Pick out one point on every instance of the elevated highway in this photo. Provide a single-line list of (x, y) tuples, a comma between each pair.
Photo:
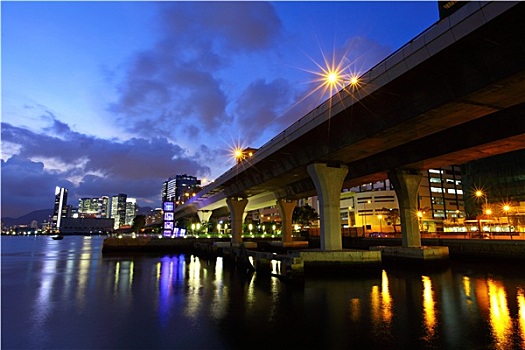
[(453, 94)]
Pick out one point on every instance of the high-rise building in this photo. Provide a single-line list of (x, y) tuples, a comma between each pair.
[(94, 207), (118, 209), (180, 188), (60, 208), (501, 180), (131, 210)]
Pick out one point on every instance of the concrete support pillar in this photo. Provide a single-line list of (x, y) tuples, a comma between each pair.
[(286, 210), (236, 206), (406, 184), (204, 216), (328, 183)]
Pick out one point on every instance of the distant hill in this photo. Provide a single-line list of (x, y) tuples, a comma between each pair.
[(43, 215), (145, 210), (39, 215)]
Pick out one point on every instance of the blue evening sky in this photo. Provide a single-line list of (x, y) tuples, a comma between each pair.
[(115, 97)]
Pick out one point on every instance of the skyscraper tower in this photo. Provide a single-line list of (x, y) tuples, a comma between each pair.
[(118, 209), (60, 208)]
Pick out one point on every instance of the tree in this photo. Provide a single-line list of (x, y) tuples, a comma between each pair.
[(391, 217), (304, 215), (138, 223)]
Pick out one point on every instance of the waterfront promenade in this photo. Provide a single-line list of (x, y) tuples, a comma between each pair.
[(500, 246)]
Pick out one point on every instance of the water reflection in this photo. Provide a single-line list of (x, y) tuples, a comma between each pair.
[(183, 301), (429, 311), (500, 319), (521, 315)]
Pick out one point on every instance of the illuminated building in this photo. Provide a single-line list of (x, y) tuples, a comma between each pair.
[(501, 178), (180, 188), (118, 209), (60, 208), (440, 201), (94, 207), (131, 210)]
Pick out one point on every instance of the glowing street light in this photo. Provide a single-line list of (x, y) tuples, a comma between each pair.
[(506, 209), (380, 217)]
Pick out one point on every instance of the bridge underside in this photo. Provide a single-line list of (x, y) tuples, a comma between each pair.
[(454, 94)]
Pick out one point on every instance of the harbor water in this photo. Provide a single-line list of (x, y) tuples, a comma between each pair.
[(67, 294)]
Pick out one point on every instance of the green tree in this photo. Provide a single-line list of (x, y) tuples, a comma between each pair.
[(304, 215), (138, 223)]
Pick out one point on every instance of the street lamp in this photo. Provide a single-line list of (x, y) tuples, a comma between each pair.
[(420, 216), (480, 194), (506, 209), (380, 217), (364, 211)]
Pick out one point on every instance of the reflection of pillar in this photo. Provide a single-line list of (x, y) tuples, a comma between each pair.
[(328, 183), (286, 210), (204, 216), (236, 206), (406, 184)]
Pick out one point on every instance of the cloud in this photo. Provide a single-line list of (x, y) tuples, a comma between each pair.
[(88, 167), (261, 106), (182, 83), (26, 186)]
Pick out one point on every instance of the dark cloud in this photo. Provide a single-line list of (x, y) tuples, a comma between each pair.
[(88, 167), (363, 53), (233, 26), (260, 107), (26, 186), (177, 84)]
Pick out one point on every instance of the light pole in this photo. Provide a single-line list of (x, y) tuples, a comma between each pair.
[(480, 194), (420, 216), (506, 209), (380, 217), (364, 211)]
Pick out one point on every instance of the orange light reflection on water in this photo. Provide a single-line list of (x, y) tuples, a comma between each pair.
[(429, 311), (500, 319)]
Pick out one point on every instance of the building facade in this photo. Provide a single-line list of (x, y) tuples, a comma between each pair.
[(131, 210), (98, 207), (60, 207), (118, 209), (180, 188)]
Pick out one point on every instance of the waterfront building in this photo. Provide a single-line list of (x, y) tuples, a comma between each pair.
[(131, 210), (180, 188), (374, 206), (97, 207), (501, 180), (60, 207), (118, 209)]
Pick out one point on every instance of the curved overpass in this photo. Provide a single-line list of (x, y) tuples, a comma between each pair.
[(453, 94)]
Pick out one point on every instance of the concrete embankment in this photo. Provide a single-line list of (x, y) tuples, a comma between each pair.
[(148, 244), (458, 248)]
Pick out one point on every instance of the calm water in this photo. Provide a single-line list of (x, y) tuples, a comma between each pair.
[(67, 295)]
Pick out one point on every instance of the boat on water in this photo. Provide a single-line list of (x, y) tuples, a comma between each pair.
[(57, 237)]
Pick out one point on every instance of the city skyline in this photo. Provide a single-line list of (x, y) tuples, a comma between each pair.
[(157, 89)]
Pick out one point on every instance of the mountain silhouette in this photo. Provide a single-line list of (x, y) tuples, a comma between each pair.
[(38, 215)]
